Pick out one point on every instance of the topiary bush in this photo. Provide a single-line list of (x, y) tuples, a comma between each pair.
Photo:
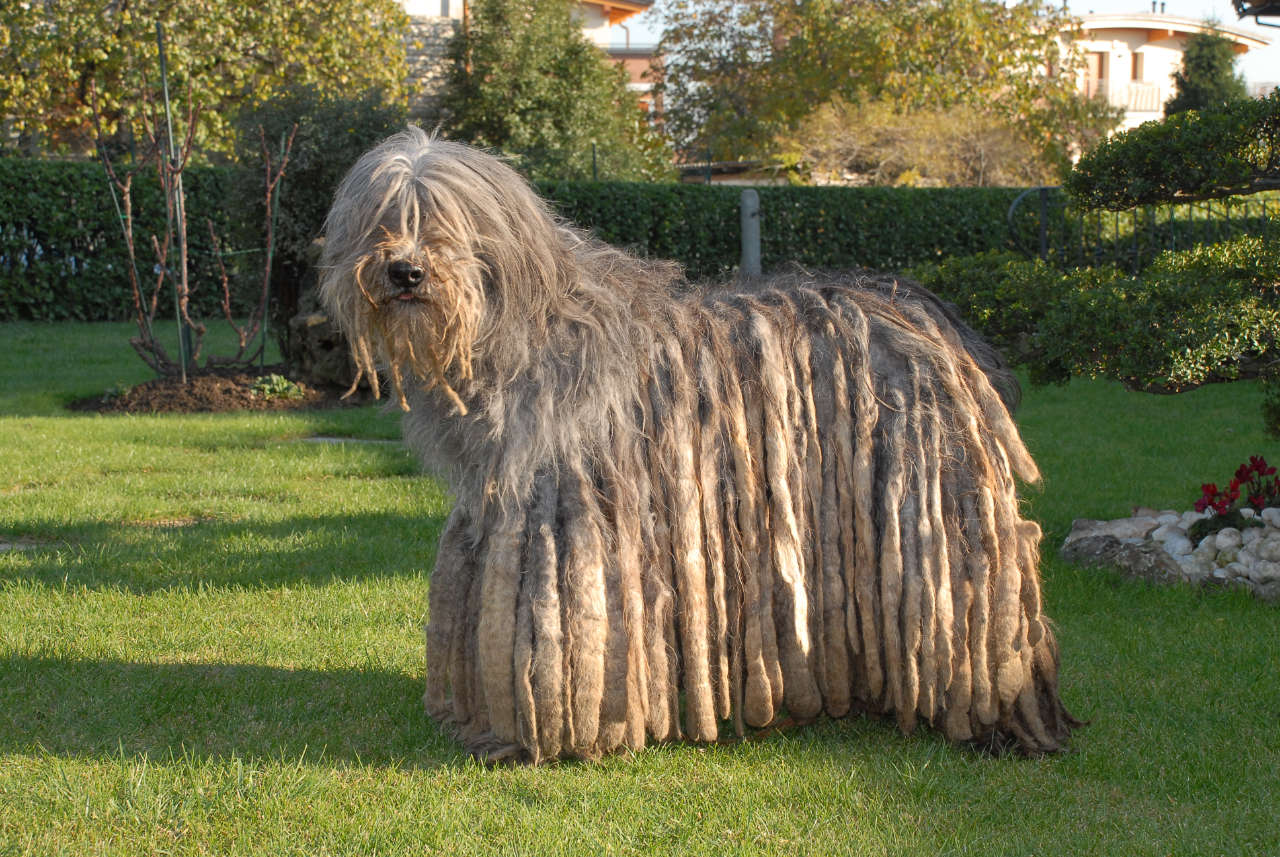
[(1192, 155), (1192, 317)]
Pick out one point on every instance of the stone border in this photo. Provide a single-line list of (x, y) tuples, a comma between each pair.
[(1153, 545)]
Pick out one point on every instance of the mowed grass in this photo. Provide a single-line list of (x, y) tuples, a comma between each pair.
[(215, 647)]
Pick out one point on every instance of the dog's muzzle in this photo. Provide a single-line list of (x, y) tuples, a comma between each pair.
[(405, 275)]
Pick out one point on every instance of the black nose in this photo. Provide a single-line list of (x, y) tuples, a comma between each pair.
[(405, 275)]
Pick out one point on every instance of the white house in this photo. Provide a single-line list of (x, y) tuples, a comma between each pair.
[(1130, 59)]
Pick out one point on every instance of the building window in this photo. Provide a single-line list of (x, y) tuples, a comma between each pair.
[(1136, 67), (1095, 73)]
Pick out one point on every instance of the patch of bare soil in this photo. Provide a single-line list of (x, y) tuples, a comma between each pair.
[(211, 391)]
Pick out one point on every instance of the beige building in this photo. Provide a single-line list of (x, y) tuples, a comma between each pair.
[(1130, 59)]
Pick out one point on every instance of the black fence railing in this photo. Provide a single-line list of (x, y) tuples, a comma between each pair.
[(1043, 223)]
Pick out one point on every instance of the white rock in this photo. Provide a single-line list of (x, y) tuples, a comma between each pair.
[(1177, 546), (1219, 574), (1207, 550), (1271, 515), (1265, 572), (1123, 529), (1189, 518), (1166, 531), (1168, 519), (1268, 548), (1247, 512), (1250, 535), (1228, 538), (1194, 571), (1235, 571), (1227, 556), (1246, 558)]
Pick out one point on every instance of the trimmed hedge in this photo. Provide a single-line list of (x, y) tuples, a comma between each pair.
[(62, 252), (819, 227), (1192, 317), (62, 255)]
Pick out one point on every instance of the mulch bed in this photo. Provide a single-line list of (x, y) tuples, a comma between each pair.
[(211, 391)]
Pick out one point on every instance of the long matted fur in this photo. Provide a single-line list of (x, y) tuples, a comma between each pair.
[(684, 515)]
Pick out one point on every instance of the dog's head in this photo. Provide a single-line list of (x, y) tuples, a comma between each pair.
[(428, 244)]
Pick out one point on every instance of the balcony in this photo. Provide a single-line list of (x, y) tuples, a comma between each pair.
[(1131, 95)]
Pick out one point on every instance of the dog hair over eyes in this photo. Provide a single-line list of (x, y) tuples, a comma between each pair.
[(688, 513)]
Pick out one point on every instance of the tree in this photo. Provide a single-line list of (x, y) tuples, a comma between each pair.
[(224, 52), (526, 81), (876, 143), (738, 73), (1207, 77)]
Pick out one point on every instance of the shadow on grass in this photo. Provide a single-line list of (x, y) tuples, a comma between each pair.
[(146, 558), (110, 709)]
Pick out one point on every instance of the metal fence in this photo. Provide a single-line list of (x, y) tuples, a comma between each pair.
[(1043, 223)]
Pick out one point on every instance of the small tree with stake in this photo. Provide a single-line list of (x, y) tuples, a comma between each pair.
[(160, 153)]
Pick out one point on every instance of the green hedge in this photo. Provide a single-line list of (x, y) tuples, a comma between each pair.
[(698, 225), (1192, 317), (62, 255), (62, 252)]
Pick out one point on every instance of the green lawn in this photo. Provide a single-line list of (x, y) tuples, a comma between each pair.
[(216, 647)]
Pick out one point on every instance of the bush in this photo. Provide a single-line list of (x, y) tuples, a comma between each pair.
[(1192, 317), (1271, 404), (332, 133), (821, 227), (1001, 293), (62, 252), (1219, 152)]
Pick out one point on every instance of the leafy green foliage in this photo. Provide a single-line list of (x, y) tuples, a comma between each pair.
[(1191, 318), (1271, 403), (526, 81), (737, 75), (1207, 78), (822, 227), (57, 219), (1221, 151), (62, 252), (275, 386), (222, 52), (1001, 293), (333, 131)]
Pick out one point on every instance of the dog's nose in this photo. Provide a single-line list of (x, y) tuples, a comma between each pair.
[(405, 275)]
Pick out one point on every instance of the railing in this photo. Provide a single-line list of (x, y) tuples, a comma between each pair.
[(1134, 96), (1043, 223)]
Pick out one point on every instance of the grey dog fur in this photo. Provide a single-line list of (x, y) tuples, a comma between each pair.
[(684, 513)]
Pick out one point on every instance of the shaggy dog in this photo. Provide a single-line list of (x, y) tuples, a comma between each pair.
[(686, 514)]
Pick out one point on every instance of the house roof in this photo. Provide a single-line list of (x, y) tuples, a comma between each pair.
[(1171, 25)]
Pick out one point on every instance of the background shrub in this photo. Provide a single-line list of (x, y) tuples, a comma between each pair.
[(62, 252), (332, 133), (62, 256), (822, 227), (1211, 313), (1231, 149)]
